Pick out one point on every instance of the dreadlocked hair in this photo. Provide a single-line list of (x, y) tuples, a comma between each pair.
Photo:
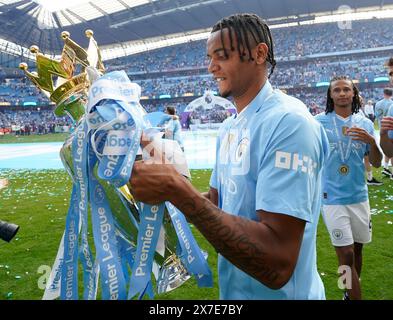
[(246, 26), (356, 101)]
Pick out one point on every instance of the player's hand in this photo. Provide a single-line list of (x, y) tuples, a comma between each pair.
[(386, 125), (153, 183), (360, 134)]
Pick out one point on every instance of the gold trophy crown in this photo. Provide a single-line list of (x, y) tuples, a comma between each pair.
[(70, 87)]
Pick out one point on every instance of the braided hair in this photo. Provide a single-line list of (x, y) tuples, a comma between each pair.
[(356, 101), (247, 27)]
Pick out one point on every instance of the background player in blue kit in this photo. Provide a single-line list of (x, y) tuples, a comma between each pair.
[(262, 210), (381, 110), (346, 210), (386, 128), (172, 126)]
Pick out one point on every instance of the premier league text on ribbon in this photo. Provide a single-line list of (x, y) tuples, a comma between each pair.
[(146, 242)]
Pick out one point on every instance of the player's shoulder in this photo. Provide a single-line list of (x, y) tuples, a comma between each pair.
[(288, 101), (288, 113), (321, 117), (364, 122), (282, 106)]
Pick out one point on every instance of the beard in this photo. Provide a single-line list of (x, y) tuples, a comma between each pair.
[(225, 94)]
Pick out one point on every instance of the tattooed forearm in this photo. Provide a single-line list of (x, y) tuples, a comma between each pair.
[(237, 239)]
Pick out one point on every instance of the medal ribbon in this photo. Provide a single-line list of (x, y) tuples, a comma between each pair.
[(344, 155)]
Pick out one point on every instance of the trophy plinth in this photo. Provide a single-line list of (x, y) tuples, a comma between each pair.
[(172, 275)]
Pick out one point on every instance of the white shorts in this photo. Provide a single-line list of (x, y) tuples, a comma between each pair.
[(347, 224)]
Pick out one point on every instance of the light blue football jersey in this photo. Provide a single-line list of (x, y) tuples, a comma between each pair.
[(343, 179), (269, 157), (173, 127), (382, 109)]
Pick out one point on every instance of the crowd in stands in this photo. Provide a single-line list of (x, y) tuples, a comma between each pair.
[(332, 37), (177, 86), (310, 73), (44, 121), (290, 43), (184, 56), (18, 91), (160, 105), (214, 115), (28, 122), (303, 74), (162, 73)]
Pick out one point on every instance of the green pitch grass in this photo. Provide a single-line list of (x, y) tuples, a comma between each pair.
[(38, 202), (54, 137)]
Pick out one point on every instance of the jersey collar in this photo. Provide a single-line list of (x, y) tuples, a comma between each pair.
[(256, 103), (342, 118)]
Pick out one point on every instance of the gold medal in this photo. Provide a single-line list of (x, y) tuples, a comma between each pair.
[(344, 169)]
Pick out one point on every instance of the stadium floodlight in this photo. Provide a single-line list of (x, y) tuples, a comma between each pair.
[(8, 230)]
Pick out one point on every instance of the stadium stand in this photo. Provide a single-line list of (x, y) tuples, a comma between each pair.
[(308, 56)]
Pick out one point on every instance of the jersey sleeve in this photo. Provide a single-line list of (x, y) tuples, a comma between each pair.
[(165, 118), (288, 180), (214, 178), (378, 111)]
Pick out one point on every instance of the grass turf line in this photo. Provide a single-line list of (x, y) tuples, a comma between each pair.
[(38, 202)]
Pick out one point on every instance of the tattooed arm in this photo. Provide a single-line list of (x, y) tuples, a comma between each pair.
[(267, 249)]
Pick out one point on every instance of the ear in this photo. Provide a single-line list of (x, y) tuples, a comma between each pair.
[(261, 53)]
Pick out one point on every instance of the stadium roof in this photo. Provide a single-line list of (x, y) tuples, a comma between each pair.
[(114, 22)]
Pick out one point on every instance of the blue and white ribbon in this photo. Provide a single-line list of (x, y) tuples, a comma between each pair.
[(112, 278), (190, 254), (69, 279), (149, 231), (81, 183), (116, 121), (53, 284)]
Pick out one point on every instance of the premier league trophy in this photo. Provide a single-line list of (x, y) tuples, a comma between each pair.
[(132, 240)]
